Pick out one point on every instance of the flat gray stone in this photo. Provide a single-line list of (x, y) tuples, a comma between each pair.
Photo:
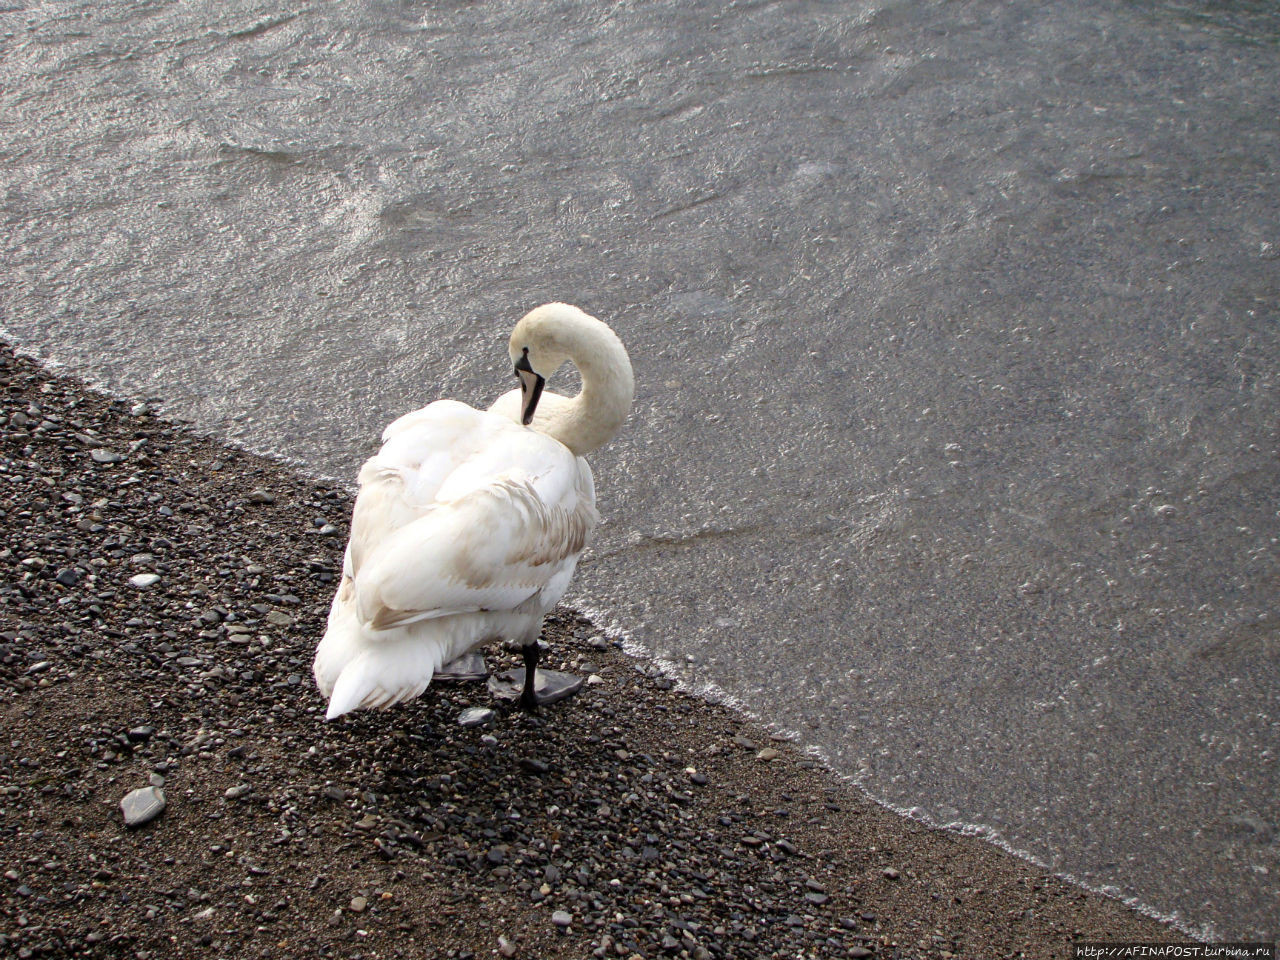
[(144, 580), (550, 685), (142, 806), (103, 455), (69, 577)]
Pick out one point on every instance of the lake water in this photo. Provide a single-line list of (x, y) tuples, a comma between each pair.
[(955, 328)]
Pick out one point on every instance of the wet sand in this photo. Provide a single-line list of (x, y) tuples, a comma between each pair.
[(632, 820)]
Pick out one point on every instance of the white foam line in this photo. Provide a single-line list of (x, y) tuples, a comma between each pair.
[(714, 693)]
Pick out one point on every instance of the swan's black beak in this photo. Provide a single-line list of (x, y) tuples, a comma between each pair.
[(531, 384)]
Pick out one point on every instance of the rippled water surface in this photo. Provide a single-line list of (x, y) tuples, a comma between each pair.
[(955, 328)]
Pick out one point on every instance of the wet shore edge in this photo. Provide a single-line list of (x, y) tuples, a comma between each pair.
[(161, 599)]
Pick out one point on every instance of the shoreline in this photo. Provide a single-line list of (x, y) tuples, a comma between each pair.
[(632, 820)]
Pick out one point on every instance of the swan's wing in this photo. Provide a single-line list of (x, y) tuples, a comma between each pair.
[(439, 417), (401, 481), (498, 547)]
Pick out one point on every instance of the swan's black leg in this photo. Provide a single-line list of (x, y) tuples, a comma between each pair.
[(529, 696)]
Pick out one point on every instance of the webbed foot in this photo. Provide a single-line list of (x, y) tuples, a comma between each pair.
[(533, 688)]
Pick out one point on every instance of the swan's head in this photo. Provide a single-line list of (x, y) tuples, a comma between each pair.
[(540, 344)]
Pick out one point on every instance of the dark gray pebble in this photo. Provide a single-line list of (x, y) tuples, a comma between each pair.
[(69, 577)]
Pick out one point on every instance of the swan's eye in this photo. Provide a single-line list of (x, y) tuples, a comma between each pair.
[(523, 365)]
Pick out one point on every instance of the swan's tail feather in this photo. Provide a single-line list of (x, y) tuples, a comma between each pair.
[(355, 673), (351, 690), (363, 684)]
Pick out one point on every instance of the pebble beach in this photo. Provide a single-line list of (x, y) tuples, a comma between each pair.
[(161, 600)]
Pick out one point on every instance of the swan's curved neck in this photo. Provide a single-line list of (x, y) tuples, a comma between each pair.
[(548, 336), (589, 420)]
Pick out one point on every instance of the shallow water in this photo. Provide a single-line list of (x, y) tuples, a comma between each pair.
[(954, 324)]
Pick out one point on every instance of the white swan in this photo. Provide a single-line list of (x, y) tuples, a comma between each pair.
[(469, 523)]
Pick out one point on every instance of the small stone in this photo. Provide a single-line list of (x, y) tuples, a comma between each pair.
[(476, 717), (817, 899), (534, 765), (860, 953), (103, 455), (261, 496), (367, 822), (506, 947), (335, 793), (279, 618), (144, 580), (141, 734), (69, 577), (358, 904), (562, 918), (236, 792), (142, 805), (889, 873), (39, 667), (768, 753)]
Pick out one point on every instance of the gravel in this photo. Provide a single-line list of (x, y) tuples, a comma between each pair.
[(630, 820)]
